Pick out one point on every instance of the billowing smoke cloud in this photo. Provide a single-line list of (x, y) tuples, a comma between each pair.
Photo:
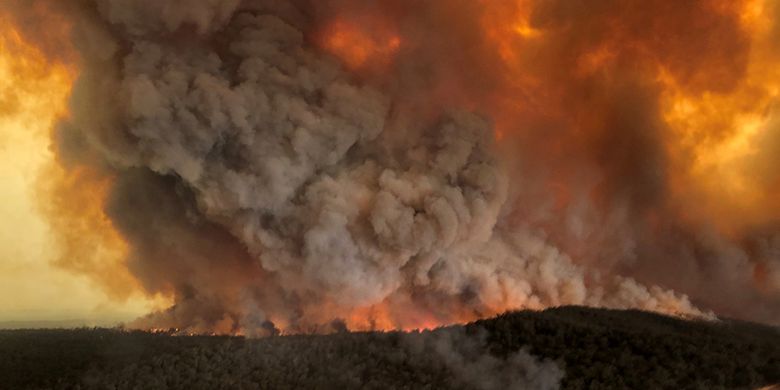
[(452, 160)]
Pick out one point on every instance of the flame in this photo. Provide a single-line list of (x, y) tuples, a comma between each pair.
[(401, 313)]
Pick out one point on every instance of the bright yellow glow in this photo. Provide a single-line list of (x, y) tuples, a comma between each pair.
[(524, 29), (33, 96), (715, 139)]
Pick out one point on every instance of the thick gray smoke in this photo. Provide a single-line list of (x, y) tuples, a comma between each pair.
[(260, 183), (269, 186)]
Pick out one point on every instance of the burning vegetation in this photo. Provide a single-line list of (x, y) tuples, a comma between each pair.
[(572, 347)]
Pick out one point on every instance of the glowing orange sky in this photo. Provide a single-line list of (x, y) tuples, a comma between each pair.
[(33, 95), (714, 150)]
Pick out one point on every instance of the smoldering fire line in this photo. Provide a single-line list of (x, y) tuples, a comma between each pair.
[(409, 164)]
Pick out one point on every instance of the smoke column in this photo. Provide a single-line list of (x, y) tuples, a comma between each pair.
[(399, 164)]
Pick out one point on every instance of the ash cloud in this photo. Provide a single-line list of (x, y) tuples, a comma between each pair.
[(257, 180)]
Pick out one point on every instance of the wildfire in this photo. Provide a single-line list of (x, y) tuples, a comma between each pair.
[(655, 115), (359, 47), (714, 119)]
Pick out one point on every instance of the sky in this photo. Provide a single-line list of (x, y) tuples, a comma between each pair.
[(31, 287)]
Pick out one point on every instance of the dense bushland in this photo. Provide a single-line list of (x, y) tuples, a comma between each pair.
[(572, 347)]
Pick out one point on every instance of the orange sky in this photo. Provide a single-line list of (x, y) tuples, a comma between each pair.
[(716, 161), (32, 94)]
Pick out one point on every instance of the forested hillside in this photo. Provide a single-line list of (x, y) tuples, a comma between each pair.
[(568, 347)]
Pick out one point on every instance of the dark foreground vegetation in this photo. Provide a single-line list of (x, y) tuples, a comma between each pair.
[(571, 347)]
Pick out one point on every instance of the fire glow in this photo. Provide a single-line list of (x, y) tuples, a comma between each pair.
[(406, 165), (357, 47), (70, 199)]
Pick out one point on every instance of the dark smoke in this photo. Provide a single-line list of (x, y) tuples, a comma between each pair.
[(258, 180)]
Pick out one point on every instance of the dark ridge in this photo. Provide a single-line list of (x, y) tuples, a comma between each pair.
[(596, 348), (603, 348)]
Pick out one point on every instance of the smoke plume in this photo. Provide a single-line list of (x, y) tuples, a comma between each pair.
[(398, 164)]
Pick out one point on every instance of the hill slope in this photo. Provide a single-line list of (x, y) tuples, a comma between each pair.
[(571, 347)]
